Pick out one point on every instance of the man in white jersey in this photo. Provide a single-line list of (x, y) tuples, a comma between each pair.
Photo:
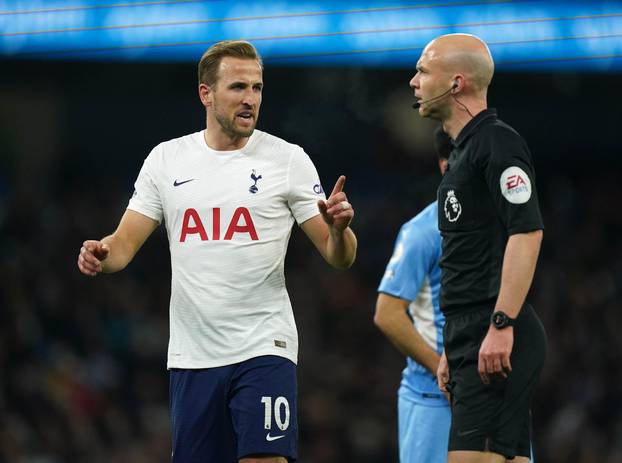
[(229, 196), (408, 313)]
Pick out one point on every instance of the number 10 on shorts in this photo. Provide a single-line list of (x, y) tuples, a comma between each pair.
[(281, 412)]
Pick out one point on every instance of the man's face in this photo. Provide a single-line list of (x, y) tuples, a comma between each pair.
[(430, 82), (236, 96)]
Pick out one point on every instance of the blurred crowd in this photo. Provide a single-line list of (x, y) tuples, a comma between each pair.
[(83, 360)]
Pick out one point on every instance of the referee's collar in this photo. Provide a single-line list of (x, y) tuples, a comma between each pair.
[(467, 130)]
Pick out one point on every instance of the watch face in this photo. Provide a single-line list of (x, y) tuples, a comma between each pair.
[(499, 319)]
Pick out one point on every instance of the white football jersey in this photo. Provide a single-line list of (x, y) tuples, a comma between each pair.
[(228, 215)]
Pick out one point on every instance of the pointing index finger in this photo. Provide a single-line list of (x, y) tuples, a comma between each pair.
[(339, 185)]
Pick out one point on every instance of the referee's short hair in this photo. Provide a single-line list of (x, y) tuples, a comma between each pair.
[(210, 61), (442, 144)]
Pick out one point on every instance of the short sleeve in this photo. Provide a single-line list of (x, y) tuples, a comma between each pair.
[(509, 174), (305, 187), (413, 257), (146, 198)]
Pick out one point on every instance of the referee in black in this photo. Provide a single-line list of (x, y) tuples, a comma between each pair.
[(491, 226)]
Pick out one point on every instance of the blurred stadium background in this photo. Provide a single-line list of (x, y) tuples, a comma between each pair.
[(88, 87)]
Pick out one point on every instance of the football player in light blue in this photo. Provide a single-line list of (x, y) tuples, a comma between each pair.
[(408, 313)]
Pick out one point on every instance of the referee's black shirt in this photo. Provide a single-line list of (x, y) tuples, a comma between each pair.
[(487, 194)]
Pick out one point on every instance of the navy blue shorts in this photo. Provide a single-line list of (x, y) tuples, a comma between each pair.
[(226, 413)]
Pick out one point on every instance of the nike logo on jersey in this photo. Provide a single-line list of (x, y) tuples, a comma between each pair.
[(270, 438), (176, 183)]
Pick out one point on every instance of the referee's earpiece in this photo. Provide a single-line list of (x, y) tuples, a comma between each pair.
[(418, 104)]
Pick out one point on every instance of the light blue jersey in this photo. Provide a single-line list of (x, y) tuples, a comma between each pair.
[(413, 274)]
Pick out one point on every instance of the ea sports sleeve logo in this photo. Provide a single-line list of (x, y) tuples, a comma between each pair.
[(452, 207), (515, 185)]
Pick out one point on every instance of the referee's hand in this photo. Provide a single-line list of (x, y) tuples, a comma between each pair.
[(494, 354)]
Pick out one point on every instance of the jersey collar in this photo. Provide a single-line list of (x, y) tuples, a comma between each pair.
[(467, 130)]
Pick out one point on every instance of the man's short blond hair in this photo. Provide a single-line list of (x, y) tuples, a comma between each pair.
[(210, 61)]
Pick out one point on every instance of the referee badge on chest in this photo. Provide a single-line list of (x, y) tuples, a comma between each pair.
[(452, 206)]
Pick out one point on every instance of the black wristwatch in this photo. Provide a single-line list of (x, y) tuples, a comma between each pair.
[(501, 320)]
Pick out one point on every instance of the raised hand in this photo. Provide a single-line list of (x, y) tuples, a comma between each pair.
[(336, 211), (92, 253)]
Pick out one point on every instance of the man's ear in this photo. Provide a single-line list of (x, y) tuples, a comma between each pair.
[(205, 95), (457, 84)]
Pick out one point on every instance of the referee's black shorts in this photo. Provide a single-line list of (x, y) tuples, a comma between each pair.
[(494, 417)]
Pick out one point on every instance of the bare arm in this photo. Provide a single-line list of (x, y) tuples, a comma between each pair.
[(115, 251), (519, 264), (338, 248), (393, 321), (330, 231)]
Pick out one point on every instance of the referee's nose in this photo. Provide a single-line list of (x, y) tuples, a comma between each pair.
[(414, 82)]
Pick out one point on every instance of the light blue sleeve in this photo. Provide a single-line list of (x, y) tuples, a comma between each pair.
[(413, 257)]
